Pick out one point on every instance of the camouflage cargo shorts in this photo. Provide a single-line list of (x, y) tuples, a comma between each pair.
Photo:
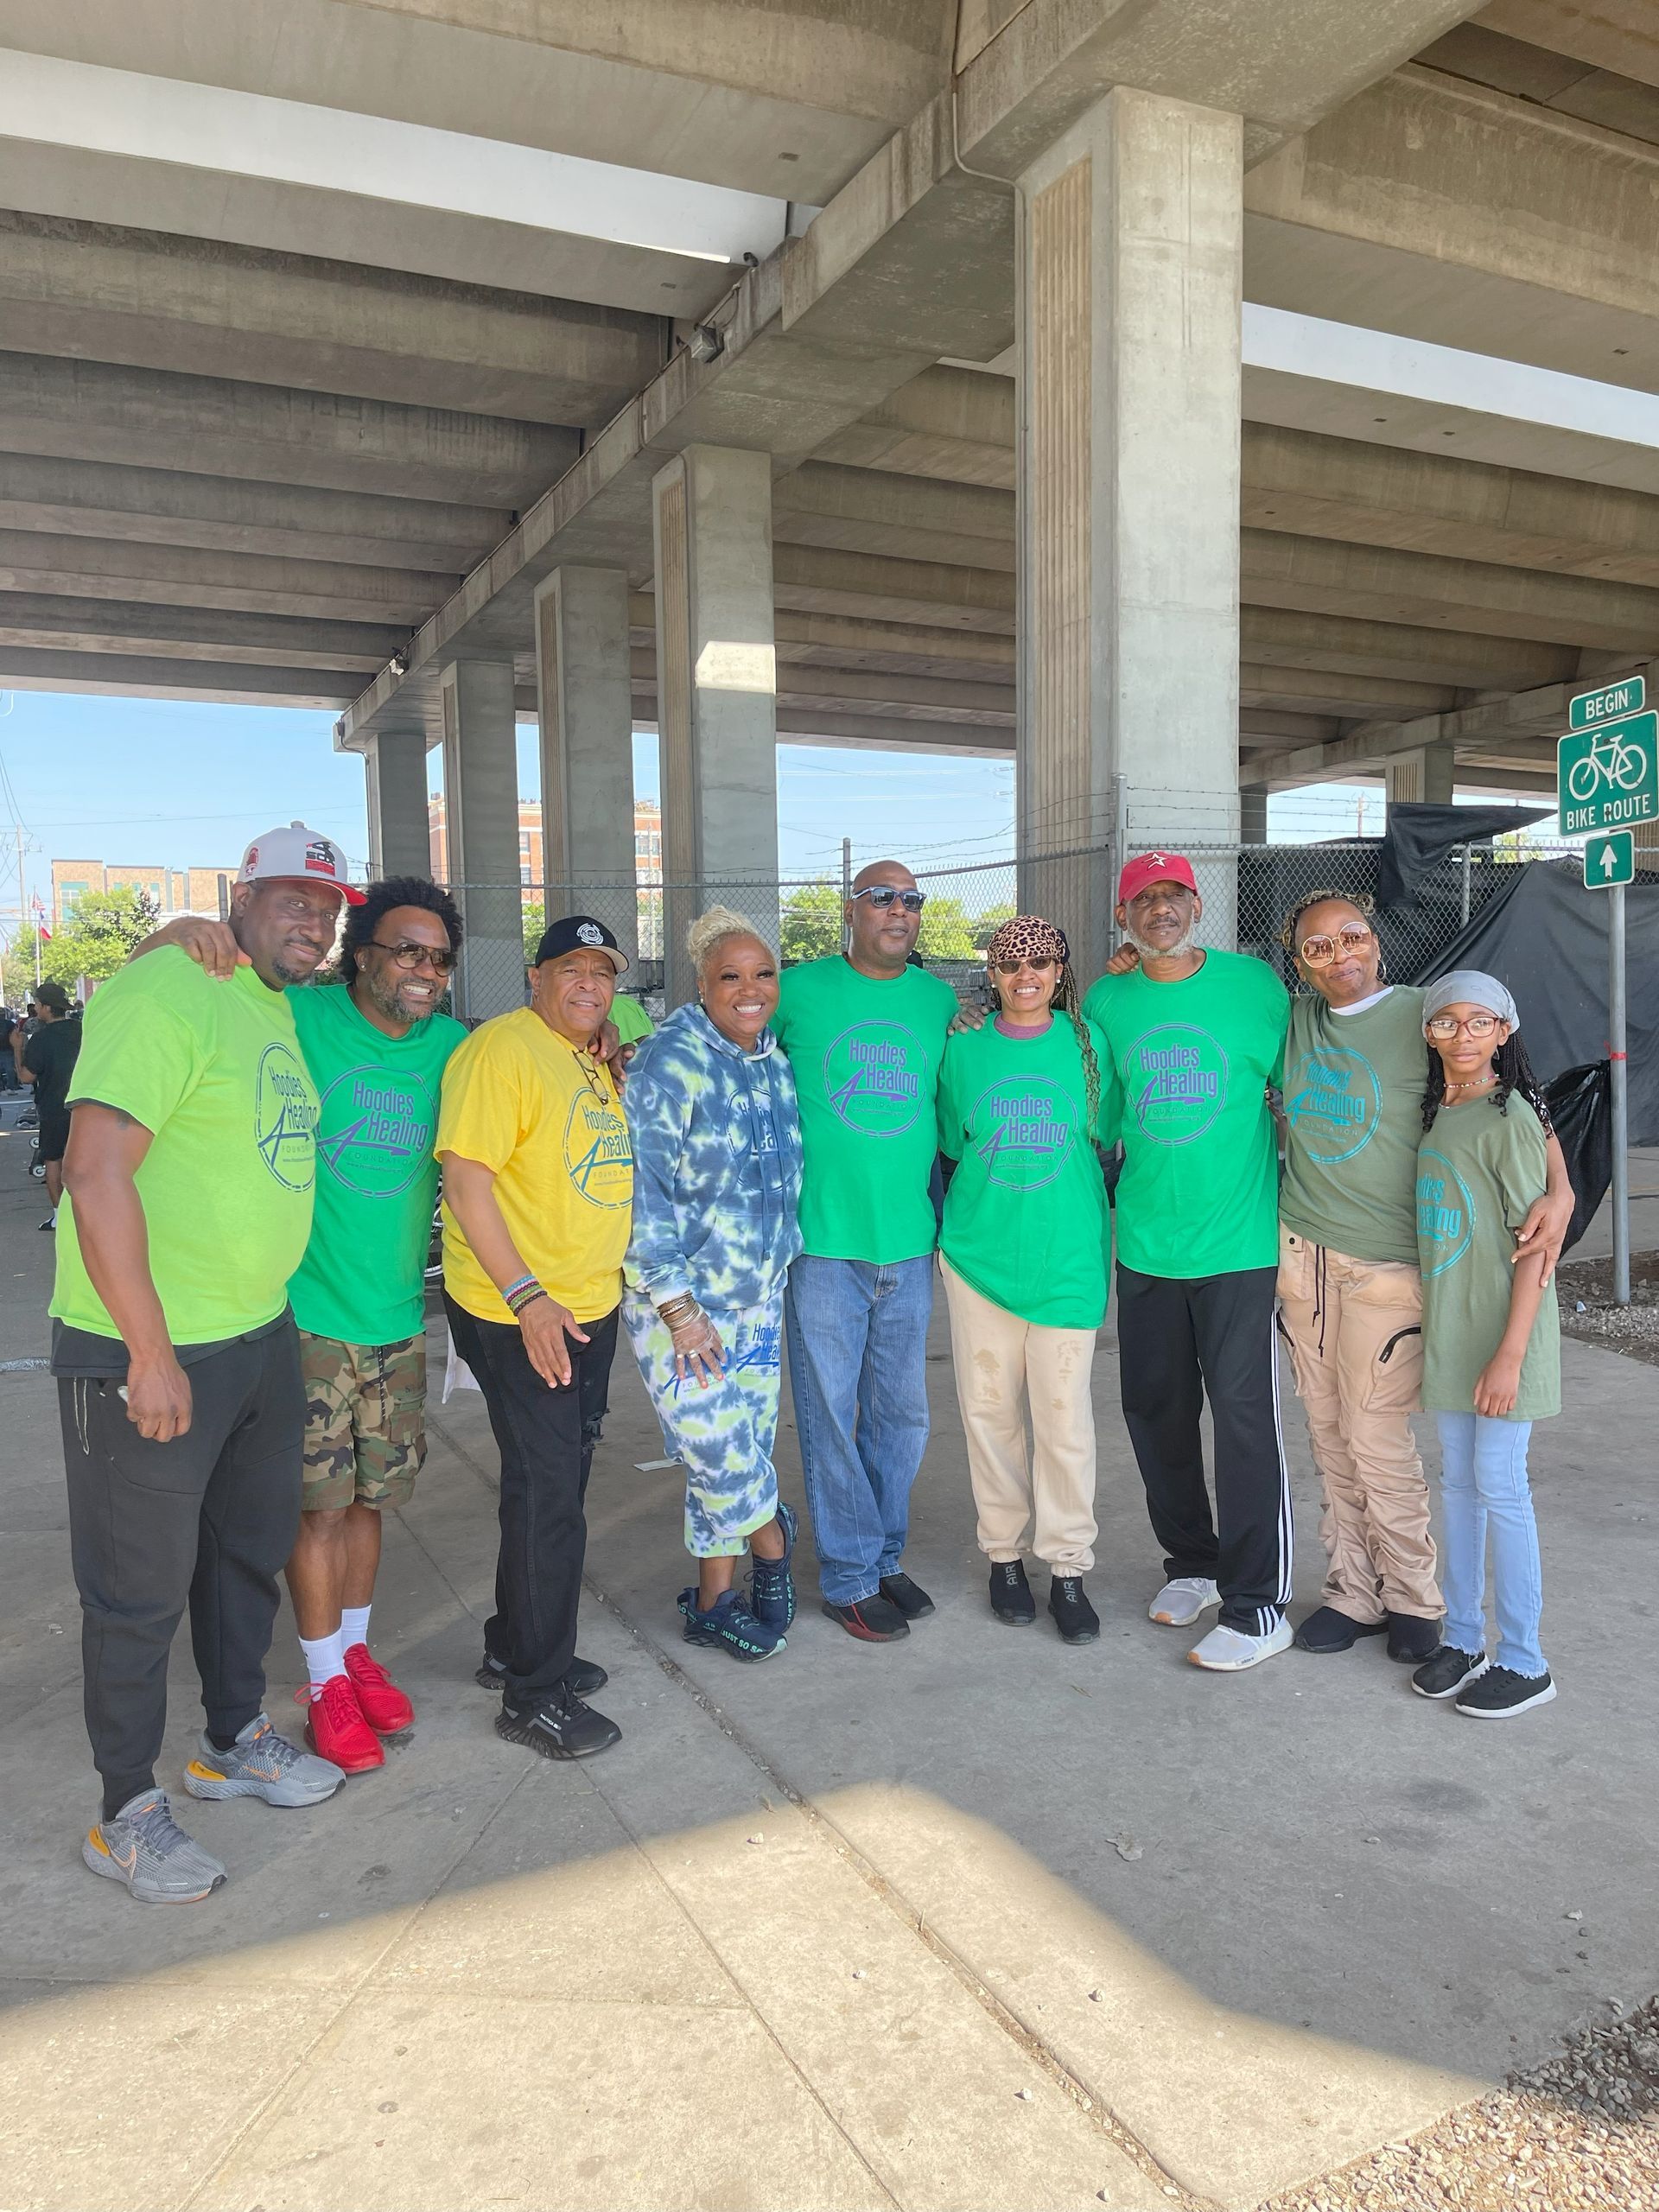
[(364, 1421)]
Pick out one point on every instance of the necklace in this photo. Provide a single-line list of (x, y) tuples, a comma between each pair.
[(1480, 1083)]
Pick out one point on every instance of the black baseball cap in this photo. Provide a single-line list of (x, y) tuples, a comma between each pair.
[(579, 933)]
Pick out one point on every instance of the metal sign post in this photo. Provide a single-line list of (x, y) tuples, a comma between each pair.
[(1607, 768)]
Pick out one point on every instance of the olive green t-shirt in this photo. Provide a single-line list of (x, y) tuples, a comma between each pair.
[(1478, 1172), (1353, 1118), (865, 1053), (1192, 1061), (1025, 1217), (213, 1071)]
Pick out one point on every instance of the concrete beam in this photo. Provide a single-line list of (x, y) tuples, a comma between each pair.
[(864, 511), (230, 683), (1617, 36), (210, 426), (1315, 691), (833, 690), (96, 568), (1286, 638), (77, 625), (815, 580), (161, 506), (137, 297), (1443, 210), (954, 424)]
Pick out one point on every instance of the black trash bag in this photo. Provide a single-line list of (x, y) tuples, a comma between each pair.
[(1581, 1102)]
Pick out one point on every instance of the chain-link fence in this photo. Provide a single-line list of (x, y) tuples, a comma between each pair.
[(1248, 890)]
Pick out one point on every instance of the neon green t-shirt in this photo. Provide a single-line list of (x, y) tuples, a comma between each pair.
[(1025, 1217), (363, 1278), (631, 1020), (1191, 1062), (213, 1071), (865, 1053)]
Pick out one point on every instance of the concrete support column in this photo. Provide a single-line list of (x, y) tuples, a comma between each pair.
[(400, 840), (480, 795), (1128, 483), (1253, 814), (585, 698), (1429, 774), (716, 693)]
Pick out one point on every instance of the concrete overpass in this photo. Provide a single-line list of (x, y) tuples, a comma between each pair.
[(870, 370)]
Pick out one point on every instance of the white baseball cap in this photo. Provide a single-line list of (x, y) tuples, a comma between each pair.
[(297, 854)]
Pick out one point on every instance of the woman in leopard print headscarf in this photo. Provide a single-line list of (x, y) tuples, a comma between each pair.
[(1023, 1254)]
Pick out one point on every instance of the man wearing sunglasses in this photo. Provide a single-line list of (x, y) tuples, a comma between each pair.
[(375, 1044), (865, 1033)]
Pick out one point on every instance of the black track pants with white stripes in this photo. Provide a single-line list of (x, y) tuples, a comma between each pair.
[(1179, 1341)]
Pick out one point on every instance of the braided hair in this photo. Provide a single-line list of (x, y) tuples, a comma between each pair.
[(1514, 1073)]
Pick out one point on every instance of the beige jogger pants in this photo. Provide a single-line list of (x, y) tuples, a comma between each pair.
[(1040, 1499), (1356, 1344)]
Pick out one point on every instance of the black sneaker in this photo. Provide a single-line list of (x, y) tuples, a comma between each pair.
[(1011, 1598), (1074, 1617), (728, 1625), (1501, 1694), (1445, 1673), (1411, 1639), (771, 1583), (582, 1676), (910, 1598), (558, 1726), (874, 1620), (1329, 1630)]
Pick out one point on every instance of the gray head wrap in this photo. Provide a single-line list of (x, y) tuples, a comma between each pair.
[(1470, 986)]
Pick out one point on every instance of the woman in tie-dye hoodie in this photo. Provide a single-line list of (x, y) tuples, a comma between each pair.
[(710, 1103)]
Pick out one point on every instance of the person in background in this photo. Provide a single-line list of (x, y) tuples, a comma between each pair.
[(865, 1033), (537, 1185), (1350, 1290), (188, 1179), (710, 1105), (376, 1044), (1491, 1340), (48, 1064), (11, 1041), (1196, 1039), (1023, 1256)]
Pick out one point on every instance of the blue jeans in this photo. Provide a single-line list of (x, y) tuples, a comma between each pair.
[(1483, 1488), (858, 1370)]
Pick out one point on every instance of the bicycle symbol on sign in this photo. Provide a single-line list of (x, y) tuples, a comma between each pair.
[(1609, 761)]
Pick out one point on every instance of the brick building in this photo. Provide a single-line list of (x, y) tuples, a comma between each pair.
[(176, 890)]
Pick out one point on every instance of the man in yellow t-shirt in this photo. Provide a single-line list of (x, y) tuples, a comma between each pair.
[(538, 1189)]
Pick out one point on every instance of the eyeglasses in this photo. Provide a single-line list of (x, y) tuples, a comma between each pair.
[(1320, 951), (1038, 962), (881, 896), (411, 957), (1444, 1027)]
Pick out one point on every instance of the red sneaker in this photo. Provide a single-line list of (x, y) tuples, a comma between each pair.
[(336, 1729), (380, 1702)]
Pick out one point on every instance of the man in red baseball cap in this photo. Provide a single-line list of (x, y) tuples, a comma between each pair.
[(1197, 1037)]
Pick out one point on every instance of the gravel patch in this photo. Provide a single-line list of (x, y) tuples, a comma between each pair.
[(1579, 2131), (1585, 1289)]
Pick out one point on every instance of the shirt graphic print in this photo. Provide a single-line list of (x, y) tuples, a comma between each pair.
[(878, 1077), (1332, 1098)]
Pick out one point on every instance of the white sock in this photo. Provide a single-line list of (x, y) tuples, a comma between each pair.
[(354, 1624), (325, 1656)]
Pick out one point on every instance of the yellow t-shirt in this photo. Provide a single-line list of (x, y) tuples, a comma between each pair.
[(522, 1100)]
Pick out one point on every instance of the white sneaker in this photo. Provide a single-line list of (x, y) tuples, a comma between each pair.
[(1229, 1650), (1179, 1603)]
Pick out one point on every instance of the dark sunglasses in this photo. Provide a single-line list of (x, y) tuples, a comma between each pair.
[(1038, 962), (411, 957), (881, 896)]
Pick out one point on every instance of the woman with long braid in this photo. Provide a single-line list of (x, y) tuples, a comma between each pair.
[(1023, 1254)]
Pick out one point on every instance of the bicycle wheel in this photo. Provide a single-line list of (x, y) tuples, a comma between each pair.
[(1629, 767), (1583, 777)]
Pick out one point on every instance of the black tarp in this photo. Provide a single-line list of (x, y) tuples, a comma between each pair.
[(1420, 832), (1546, 936)]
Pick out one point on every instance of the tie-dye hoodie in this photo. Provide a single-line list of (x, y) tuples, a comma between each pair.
[(717, 1165)]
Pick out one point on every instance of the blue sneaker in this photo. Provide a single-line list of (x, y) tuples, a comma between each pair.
[(772, 1586), (729, 1625)]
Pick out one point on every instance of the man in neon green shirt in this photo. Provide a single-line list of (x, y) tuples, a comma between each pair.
[(189, 1182)]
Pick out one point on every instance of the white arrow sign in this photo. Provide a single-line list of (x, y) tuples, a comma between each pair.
[(1606, 860)]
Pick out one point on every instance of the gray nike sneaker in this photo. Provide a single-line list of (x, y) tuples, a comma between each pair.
[(144, 1847), (262, 1764)]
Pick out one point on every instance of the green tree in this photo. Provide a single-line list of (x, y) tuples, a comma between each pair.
[(946, 933), (810, 922), (97, 940), (534, 914), (990, 921)]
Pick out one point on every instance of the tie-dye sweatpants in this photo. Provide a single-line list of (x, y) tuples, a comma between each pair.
[(723, 1435)]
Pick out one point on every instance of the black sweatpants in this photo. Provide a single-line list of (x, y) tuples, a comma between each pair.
[(207, 1520), (545, 1434), (1179, 1341)]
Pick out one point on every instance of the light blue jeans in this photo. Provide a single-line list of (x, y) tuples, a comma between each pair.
[(1484, 1490), (858, 1371)]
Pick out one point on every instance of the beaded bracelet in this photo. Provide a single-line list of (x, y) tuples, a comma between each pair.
[(522, 1283), (527, 1296)]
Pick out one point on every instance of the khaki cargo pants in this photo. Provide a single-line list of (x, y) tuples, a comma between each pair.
[(1355, 1330)]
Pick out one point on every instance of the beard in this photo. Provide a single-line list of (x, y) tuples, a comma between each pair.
[(390, 999), (1185, 942)]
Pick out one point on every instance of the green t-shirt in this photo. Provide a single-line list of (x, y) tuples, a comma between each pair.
[(1353, 1118), (1025, 1217), (363, 1278), (213, 1071), (1478, 1172), (631, 1020), (1191, 1062), (866, 1053)]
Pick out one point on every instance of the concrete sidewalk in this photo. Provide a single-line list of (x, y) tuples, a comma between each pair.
[(972, 1920)]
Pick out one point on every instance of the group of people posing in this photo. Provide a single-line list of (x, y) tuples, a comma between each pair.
[(239, 1324)]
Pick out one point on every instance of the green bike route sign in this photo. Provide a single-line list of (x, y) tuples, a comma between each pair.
[(1608, 775), (1610, 860), (1610, 704)]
